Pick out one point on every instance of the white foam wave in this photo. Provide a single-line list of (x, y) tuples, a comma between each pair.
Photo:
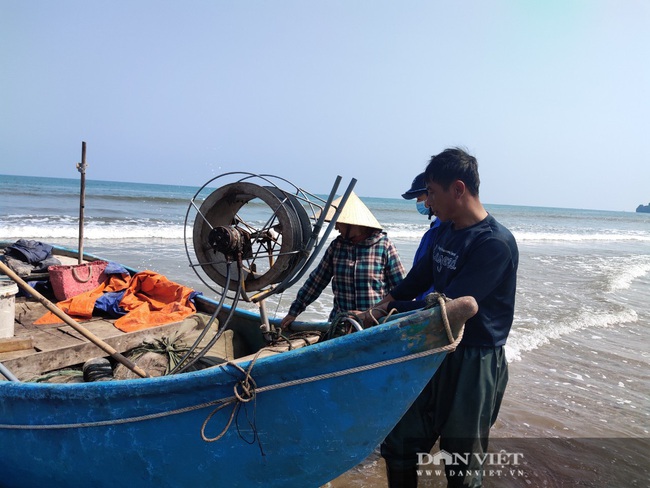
[(582, 237), (405, 232), (623, 276), (91, 232), (523, 339), (34, 227), (415, 232), (167, 231)]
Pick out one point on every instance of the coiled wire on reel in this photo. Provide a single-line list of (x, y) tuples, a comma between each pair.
[(264, 224), (251, 235)]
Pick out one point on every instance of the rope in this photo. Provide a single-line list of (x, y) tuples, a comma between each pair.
[(385, 318), (441, 299), (248, 393)]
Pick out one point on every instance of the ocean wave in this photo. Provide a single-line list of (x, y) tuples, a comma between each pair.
[(101, 199), (33, 226), (581, 237), (405, 231), (524, 338), (411, 231), (148, 199), (91, 232), (623, 272)]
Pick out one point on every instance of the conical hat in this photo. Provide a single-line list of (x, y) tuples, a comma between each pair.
[(355, 212)]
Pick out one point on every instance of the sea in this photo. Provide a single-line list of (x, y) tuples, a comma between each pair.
[(577, 406)]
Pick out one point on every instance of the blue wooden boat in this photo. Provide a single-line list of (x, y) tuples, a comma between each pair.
[(311, 414), (266, 416)]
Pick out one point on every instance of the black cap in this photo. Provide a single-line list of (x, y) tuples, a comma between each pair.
[(418, 187)]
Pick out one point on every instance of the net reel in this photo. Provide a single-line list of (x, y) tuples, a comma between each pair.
[(254, 233), (251, 237)]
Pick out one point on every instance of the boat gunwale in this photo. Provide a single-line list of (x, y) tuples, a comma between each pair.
[(206, 377)]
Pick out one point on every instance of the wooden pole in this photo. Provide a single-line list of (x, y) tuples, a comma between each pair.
[(72, 323), (82, 200)]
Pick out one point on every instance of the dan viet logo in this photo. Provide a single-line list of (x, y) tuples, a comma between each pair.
[(493, 463)]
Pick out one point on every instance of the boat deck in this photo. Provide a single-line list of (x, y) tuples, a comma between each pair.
[(38, 349)]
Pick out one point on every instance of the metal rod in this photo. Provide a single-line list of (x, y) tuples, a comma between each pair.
[(265, 326), (82, 200), (7, 374)]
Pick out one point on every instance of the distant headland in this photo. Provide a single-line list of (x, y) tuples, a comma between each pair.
[(643, 208)]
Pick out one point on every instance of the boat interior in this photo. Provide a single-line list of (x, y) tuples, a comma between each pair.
[(54, 352)]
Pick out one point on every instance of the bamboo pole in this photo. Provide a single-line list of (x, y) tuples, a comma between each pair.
[(82, 200), (72, 323)]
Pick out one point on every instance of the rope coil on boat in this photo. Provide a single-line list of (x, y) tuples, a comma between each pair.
[(435, 298), (247, 386), (248, 389)]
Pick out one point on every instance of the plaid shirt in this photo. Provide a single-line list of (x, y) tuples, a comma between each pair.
[(361, 274)]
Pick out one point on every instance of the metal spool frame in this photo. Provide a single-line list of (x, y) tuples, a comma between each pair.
[(270, 254), (282, 248), (243, 257)]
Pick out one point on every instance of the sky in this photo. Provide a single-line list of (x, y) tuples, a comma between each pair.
[(552, 97)]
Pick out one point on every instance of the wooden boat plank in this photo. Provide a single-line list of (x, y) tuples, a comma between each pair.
[(53, 339), (101, 328), (28, 312), (11, 344)]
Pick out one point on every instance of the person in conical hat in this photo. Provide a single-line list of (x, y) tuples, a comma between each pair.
[(355, 212), (362, 264), (356, 222)]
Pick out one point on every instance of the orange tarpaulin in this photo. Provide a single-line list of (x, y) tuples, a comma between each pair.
[(150, 299)]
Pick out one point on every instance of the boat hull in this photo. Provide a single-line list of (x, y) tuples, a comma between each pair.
[(316, 412)]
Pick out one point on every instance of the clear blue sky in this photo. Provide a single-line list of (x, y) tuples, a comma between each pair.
[(552, 96)]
